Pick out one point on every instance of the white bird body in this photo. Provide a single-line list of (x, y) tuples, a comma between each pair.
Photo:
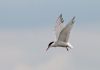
[(62, 34), (59, 44)]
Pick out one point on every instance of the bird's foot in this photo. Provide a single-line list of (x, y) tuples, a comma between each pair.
[(67, 48)]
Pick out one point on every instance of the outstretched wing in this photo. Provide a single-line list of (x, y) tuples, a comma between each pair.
[(64, 34), (59, 25)]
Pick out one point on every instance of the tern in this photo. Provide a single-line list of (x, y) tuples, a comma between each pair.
[(62, 33)]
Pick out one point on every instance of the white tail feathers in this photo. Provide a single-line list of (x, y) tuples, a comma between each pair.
[(70, 46)]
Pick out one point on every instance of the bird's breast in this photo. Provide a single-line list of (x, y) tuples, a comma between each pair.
[(61, 44)]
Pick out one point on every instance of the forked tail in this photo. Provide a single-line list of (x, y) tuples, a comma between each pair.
[(69, 45)]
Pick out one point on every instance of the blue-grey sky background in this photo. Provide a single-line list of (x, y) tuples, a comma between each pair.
[(27, 26), (36, 13)]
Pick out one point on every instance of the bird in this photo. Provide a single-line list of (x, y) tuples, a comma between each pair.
[(62, 33)]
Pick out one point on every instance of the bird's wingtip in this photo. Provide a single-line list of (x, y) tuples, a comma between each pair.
[(73, 18)]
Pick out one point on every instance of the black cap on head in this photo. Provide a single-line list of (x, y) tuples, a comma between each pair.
[(49, 45)]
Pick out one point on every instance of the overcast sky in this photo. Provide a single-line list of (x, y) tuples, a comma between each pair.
[(27, 26)]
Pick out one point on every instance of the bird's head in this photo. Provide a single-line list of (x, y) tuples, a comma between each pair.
[(50, 44)]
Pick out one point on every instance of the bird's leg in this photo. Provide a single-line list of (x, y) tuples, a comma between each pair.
[(67, 48)]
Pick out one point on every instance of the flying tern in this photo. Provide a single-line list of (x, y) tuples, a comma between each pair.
[(62, 33)]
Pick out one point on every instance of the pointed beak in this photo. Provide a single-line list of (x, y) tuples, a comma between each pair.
[(48, 48)]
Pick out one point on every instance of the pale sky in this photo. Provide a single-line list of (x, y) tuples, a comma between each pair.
[(27, 26)]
